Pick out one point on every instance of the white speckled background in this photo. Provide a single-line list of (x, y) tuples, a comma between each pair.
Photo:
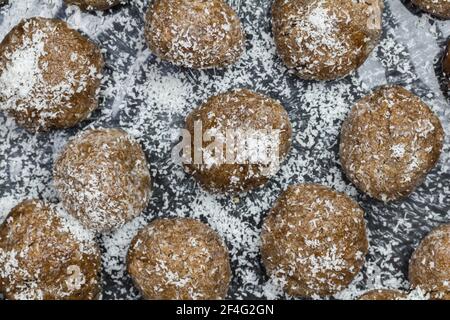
[(150, 99)]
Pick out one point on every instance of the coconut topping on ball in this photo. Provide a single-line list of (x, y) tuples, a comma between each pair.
[(46, 254), (103, 179), (49, 74), (326, 39), (389, 143), (314, 240), (194, 33)]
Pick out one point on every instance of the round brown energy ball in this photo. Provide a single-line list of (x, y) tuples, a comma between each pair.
[(438, 8), (429, 268), (314, 240), (384, 294), (94, 4), (102, 178), (45, 254), (179, 259), (49, 75), (194, 33), (256, 122), (326, 39), (389, 143)]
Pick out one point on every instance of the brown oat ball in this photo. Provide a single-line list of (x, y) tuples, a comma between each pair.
[(194, 33), (49, 75), (94, 4), (326, 39), (429, 268), (383, 294), (438, 8), (241, 111), (314, 240), (46, 254), (389, 143), (179, 259), (103, 179)]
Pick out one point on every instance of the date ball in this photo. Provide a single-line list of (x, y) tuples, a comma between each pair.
[(429, 268), (102, 178), (389, 143), (438, 8), (46, 255), (94, 4), (49, 75), (384, 294), (194, 33), (179, 259), (252, 136), (314, 240), (326, 39)]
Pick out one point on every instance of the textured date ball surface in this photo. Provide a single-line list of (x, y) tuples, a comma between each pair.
[(314, 240), (175, 259), (242, 110), (194, 33), (49, 75), (94, 4), (383, 294), (326, 39), (46, 254), (439, 8), (102, 178), (429, 268), (389, 143)]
